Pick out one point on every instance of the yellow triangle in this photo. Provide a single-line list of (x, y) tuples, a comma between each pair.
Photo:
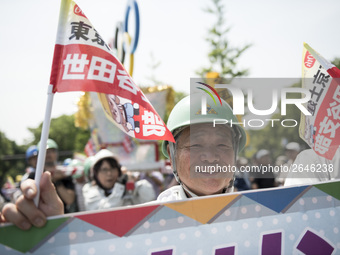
[(202, 210)]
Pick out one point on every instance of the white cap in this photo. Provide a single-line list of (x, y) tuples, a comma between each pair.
[(262, 153), (293, 146), (103, 153)]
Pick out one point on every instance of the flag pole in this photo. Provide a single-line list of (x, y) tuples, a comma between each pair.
[(43, 142)]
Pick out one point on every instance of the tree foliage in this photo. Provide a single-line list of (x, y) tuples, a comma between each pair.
[(63, 131), (223, 57), (336, 62), (69, 138), (11, 158), (274, 136)]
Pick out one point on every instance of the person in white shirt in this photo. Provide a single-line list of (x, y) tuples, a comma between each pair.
[(106, 191), (310, 167)]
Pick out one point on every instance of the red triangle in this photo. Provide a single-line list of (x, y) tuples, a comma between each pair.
[(118, 222)]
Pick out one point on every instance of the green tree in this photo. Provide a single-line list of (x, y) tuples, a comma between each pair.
[(222, 56), (273, 138), (68, 137), (336, 62), (11, 158)]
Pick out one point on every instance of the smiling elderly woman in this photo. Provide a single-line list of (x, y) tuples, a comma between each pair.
[(200, 144)]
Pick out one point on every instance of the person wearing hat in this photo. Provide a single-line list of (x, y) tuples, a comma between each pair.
[(108, 189), (64, 184), (309, 168), (292, 149), (31, 160), (204, 155), (76, 168), (31, 157), (51, 157), (87, 168), (199, 146)]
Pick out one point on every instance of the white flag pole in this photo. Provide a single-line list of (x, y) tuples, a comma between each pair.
[(43, 142)]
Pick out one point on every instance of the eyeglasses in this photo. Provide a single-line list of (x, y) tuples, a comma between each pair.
[(107, 170)]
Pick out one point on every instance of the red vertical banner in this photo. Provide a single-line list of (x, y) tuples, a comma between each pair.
[(84, 62)]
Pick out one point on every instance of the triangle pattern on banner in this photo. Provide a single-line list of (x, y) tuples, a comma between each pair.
[(243, 208), (202, 210), (25, 240), (165, 219), (276, 199), (332, 189), (118, 222), (313, 199), (75, 232)]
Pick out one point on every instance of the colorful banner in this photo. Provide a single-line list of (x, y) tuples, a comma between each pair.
[(290, 220), (84, 62), (161, 97), (106, 132), (141, 157), (321, 130), (133, 154)]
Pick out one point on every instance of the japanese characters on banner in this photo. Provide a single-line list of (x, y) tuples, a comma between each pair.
[(289, 220), (321, 130), (83, 62)]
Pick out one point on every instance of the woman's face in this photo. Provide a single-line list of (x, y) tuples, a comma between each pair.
[(107, 175), (200, 146)]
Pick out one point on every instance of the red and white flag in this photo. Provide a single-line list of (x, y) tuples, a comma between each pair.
[(84, 62), (321, 130)]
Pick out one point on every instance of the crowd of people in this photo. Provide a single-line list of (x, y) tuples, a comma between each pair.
[(100, 182), (265, 171), (97, 182), (104, 183)]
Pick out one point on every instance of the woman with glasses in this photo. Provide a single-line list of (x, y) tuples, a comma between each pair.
[(108, 187)]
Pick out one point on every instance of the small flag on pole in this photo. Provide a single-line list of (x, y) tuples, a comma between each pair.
[(321, 130), (84, 62)]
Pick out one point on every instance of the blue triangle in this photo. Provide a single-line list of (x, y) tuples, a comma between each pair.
[(251, 212), (276, 199), (77, 231)]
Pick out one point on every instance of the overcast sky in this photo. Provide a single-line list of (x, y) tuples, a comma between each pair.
[(172, 30)]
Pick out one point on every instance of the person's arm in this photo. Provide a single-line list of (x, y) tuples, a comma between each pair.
[(254, 186), (24, 213), (67, 195), (143, 192), (64, 186)]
